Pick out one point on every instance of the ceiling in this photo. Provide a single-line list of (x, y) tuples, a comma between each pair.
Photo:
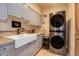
[(46, 5)]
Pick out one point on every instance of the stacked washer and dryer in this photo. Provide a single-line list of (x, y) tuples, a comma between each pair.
[(58, 33)]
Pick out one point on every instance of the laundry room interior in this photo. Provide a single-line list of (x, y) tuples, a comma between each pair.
[(50, 9), (38, 29)]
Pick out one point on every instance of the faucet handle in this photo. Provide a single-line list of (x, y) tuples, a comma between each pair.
[(23, 28)]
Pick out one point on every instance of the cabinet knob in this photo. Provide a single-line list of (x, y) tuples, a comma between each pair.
[(4, 48)]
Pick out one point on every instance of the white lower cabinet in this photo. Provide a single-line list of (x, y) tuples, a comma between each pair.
[(39, 44), (29, 49), (32, 50), (7, 50), (22, 51), (35, 47)]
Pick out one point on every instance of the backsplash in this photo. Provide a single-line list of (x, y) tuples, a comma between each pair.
[(8, 33), (6, 26)]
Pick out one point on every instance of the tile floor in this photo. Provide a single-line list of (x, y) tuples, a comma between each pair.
[(44, 52)]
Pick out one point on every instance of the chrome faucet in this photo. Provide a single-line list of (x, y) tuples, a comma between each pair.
[(19, 30)]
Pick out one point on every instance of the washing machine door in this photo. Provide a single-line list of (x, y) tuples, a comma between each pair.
[(57, 42), (57, 20)]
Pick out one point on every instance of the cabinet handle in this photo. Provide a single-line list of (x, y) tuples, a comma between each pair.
[(4, 48)]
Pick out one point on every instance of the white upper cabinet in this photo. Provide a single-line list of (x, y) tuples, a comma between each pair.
[(3, 11), (24, 11), (15, 9), (32, 15), (27, 13)]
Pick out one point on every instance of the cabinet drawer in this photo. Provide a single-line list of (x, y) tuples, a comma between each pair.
[(8, 53), (5, 48)]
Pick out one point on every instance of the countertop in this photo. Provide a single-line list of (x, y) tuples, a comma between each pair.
[(4, 41)]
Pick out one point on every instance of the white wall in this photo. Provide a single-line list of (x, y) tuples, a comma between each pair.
[(71, 16)]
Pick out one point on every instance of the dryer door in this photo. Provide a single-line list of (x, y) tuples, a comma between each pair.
[(57, 42), (57, 20)]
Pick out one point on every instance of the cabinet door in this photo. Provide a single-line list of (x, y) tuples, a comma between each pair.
[(7, 50), (30, 14), (27, 14), (77, 17), (32, 48), (38, 43), (3, 11), (37, 19), (15, 9)]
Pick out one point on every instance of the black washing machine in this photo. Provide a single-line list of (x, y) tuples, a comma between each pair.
[(58, 34)]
